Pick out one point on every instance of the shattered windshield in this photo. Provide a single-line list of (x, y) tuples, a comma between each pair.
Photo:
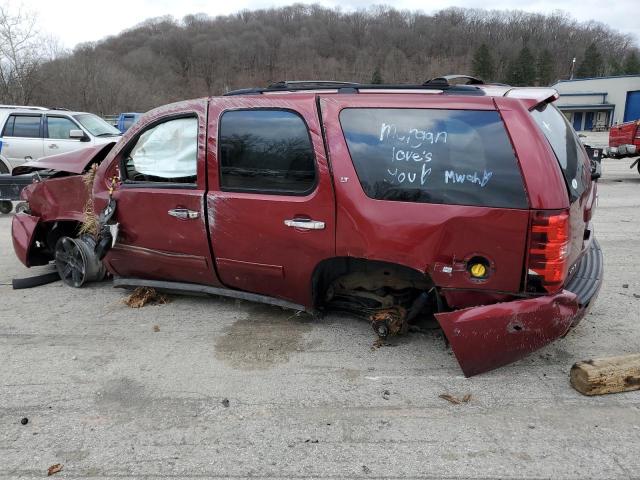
[(96, 126)]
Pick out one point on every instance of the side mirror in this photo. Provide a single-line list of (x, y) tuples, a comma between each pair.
[(78, 135)]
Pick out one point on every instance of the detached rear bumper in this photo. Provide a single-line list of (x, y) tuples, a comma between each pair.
[(488, 337)]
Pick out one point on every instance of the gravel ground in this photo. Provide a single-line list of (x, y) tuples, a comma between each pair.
[(234, 389)]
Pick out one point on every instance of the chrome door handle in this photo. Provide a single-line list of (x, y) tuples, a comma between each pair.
[(305, 224), (53, 145), (183, 213)]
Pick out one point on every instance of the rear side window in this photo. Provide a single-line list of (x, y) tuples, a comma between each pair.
[(459, 157), (266, 151), (26, 126), (566, 145)]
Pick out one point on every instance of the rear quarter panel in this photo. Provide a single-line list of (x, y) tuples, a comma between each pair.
[(420, 235)]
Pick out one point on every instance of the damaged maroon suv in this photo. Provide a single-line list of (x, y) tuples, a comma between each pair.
[(468, 203)]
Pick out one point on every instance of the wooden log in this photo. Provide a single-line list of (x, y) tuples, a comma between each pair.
[(606, 375)]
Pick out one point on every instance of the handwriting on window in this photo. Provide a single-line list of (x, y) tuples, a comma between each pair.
[(414, 153)]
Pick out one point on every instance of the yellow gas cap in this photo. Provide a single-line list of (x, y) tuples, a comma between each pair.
[(478, 270)]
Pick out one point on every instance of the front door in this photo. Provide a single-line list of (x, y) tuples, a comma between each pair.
[(160, 200), (57, 135), (271, 201)]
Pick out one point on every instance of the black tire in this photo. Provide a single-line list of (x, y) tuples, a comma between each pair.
[(638, 166), (6, 206), (44, 279)]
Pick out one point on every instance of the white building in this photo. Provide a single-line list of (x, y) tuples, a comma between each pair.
[(597, 103)]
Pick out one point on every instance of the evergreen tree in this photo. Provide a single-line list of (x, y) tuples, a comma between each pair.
[(545, 68), (592, 64), (522, 70), (376, 78), (631, 64), (483, 63)]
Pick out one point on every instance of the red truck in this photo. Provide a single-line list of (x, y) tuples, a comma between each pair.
[(470, 204), (624, 141)]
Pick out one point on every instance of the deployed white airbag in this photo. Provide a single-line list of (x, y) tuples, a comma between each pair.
[(168, 150)]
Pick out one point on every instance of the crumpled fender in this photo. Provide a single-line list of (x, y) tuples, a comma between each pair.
[(23, 227), (75, 161), (487, 337)]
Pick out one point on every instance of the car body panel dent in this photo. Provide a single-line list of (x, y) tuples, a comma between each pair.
[(55, 199), (23, 228), (488, 337), (75, 161)]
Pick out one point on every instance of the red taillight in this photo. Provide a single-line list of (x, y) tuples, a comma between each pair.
[(549, 249)]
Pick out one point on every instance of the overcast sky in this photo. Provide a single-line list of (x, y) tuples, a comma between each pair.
[(74, 21)]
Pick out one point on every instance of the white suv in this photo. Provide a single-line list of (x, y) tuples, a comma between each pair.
[(30, 133)]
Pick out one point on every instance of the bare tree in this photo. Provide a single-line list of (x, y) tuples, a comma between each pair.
[(21, 55), (163, 59)]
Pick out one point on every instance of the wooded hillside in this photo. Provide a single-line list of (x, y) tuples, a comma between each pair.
[(163, 60)]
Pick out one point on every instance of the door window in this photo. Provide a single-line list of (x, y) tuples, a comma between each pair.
[(60, 128), (27, 126), (266, 151), (167, 152)]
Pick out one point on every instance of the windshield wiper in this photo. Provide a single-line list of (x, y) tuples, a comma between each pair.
[(108, 134)]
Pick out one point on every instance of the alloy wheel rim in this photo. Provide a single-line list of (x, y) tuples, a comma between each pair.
[(70, 262)]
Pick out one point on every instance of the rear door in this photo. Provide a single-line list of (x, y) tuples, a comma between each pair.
[(22, 138), (270, 200)]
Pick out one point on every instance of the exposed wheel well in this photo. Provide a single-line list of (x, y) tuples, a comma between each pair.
[(5, 167), (376, 274), (45, 238)]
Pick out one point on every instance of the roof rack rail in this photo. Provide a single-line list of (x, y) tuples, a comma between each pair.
[(310, 84), (439, 83), (22, 107)]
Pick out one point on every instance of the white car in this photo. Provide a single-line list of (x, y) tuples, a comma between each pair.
[(30, 133)]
